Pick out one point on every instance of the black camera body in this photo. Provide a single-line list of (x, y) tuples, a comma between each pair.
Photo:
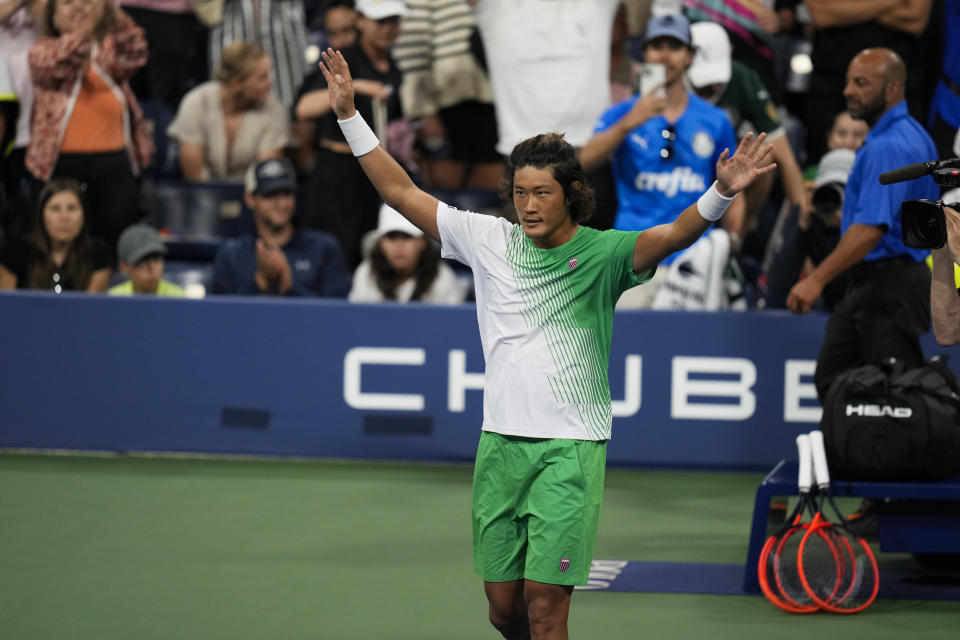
[(923, 222)]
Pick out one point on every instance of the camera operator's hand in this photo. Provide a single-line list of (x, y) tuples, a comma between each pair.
[(944, 301), (953, 232)]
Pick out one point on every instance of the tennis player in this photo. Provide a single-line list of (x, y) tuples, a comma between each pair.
[(546, 291)]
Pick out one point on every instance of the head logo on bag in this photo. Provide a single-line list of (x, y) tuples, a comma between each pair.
[(879, 411)]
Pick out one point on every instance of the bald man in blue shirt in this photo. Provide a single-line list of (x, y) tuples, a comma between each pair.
[(886, 307)]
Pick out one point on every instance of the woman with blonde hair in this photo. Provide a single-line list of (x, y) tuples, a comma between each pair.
[(224, 125)]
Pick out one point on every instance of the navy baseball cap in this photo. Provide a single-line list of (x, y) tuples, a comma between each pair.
[(671, 25), (270, 176)]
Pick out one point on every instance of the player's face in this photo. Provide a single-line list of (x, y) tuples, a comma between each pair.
[(274, 210), (675, 56), (541, 207)]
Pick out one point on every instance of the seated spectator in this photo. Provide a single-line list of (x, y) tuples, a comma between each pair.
[(225, 124), (140, 253), (403, 266), (59, 254), (340, 198), (86, 122), (282, 259)]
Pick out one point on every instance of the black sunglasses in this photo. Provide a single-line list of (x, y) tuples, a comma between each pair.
[(670, 136)]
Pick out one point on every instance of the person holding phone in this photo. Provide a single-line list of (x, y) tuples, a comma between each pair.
[(663, 144)]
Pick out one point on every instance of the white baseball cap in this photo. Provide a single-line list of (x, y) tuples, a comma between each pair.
[(391, 220), (380, 9), (835, 166), (711, 62)]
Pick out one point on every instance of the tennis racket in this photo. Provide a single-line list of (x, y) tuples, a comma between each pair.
[(836, 566), (779, 585)]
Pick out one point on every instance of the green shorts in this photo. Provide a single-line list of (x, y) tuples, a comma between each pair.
[(536, 506)]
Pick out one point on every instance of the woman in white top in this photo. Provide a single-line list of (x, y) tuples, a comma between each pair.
[(402, 266)]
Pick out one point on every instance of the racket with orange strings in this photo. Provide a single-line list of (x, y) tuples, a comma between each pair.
[(779, 586), (836, 566)]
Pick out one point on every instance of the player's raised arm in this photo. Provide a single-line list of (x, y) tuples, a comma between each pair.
[(734, 174), (388, 177)]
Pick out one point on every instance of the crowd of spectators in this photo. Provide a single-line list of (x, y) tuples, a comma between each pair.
[(229, 91)]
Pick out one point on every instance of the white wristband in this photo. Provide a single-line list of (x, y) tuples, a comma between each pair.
[(359, 135), (711, 204)]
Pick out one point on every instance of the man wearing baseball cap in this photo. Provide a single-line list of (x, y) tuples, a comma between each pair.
[(339, 197), (140, 254), (664, 146), (740, 92), (281, 259)]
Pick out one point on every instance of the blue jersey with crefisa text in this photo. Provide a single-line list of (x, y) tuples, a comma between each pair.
[(653, 189)]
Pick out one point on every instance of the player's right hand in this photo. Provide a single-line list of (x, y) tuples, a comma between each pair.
[(339, 82)]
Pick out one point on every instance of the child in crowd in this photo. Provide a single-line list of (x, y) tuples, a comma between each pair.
[(141, 256)]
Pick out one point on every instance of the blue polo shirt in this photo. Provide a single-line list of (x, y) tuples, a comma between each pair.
[(652, 190), (894, 141), (316, 262)]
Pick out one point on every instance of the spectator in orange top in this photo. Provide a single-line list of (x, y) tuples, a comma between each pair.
[(86, 123)]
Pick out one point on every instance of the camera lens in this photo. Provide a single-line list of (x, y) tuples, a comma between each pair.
[(828, 198), (924, 226)]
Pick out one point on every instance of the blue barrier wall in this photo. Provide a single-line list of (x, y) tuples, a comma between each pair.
[(318, 378)]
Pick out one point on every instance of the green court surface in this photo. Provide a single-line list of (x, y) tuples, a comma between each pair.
[(146, 548)]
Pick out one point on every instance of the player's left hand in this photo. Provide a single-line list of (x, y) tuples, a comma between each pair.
[(734, 174)]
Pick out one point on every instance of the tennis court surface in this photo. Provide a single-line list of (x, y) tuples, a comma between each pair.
[(150, 548)]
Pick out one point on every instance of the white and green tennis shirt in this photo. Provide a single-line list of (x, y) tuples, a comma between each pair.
[(546, 318)]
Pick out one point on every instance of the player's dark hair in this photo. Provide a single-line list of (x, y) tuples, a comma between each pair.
[(551, 151)]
